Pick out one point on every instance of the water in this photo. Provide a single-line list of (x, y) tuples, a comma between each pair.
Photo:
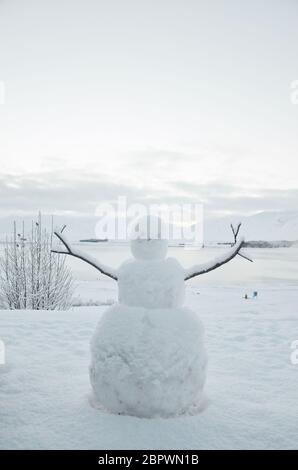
[(272, 266)]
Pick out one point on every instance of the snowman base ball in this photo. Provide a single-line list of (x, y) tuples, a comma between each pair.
[(148, 362)]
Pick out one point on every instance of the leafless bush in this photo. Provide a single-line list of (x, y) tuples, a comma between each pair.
[(31, 277)]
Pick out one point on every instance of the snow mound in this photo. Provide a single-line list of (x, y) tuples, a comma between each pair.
[(148, 362)]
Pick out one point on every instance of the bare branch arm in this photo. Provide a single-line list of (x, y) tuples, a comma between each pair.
[(69, 250), (235, 231), (235, 234), (216, 263)]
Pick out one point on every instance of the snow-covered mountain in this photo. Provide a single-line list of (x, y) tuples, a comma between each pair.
[(262, 226)]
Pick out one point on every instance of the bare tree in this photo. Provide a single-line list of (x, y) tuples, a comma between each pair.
[(31, 277)]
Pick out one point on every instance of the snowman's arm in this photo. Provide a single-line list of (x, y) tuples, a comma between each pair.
[(217, 262), (69, 250)]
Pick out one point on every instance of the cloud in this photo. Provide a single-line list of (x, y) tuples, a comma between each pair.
[(52, 192), (79, 193), (219, 198)]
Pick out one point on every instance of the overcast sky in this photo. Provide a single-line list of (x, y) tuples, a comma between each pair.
[(162, 100)]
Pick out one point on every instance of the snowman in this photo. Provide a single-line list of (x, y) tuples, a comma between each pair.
[(147, 353)]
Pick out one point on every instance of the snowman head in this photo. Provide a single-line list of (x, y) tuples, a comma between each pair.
[(147, 241)]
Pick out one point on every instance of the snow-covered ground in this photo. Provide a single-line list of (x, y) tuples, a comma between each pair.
[(251, 383)]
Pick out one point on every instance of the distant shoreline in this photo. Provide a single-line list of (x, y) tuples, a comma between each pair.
[(94, 240)]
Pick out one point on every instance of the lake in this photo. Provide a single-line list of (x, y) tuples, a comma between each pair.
[(272, 266)]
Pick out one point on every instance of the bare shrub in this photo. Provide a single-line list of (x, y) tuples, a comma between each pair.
[(31, 276)]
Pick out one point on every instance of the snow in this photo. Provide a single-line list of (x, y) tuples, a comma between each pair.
[(148, 357), (212, 264), (146, 238), (148, 362), (149, 249), (68, 249), (251, 384), (270, 226), (151, 284)]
